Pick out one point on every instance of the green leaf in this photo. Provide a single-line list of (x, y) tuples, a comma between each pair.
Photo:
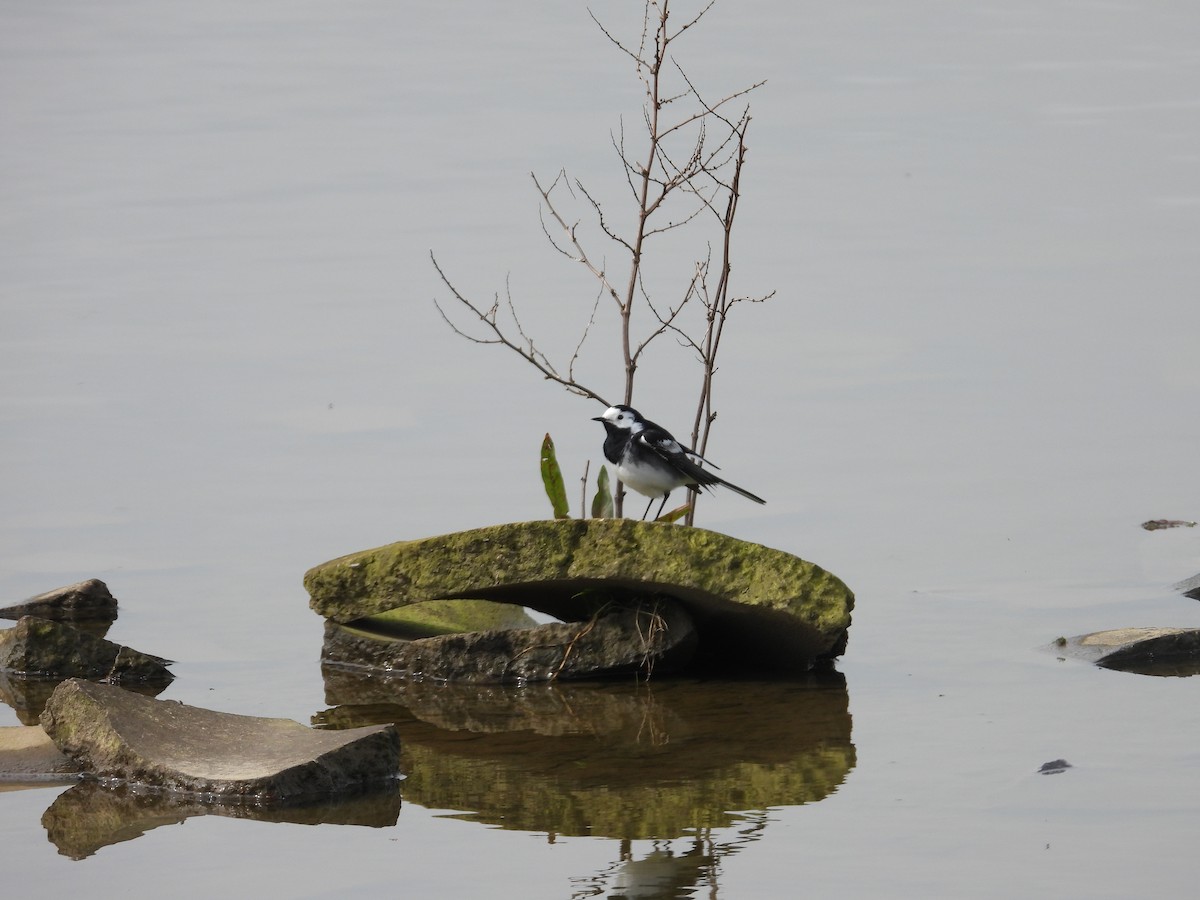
[(602, 503), (553, 480)]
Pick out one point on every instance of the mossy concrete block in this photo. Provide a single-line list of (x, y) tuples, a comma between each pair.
[(36, 646), (751, 605), (169, 746)]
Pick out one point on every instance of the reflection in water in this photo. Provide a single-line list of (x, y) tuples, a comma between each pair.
[(623, 760), (91, 815), (671, 869), (28, 694)]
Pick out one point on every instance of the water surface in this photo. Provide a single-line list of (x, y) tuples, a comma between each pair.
[(221, 365)]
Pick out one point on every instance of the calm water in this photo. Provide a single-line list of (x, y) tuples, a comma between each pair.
[(221, 365)]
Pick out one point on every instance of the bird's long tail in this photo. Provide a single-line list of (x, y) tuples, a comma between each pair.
[(745, 493)]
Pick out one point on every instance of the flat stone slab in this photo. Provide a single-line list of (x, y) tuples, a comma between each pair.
[(36, 646), (752, 606), (1145, 651), (87, 600), (654, 638), (116, 734), (28, 754)]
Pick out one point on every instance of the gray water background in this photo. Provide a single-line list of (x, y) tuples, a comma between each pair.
[(221, 365)]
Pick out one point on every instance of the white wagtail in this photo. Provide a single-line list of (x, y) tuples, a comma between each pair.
[(651, 461)]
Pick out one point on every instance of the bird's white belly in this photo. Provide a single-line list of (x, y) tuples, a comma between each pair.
[(650, 481)]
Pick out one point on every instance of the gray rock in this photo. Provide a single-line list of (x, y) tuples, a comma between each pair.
[(1144, 651), (654, 637), (753, 607), (87, 600), (37, 646), (113, 733), (1190, 587)]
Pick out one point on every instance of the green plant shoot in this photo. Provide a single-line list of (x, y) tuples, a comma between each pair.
[(552, 478), (602, 503)]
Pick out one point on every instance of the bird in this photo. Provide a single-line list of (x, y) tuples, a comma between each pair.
[(649, 459)]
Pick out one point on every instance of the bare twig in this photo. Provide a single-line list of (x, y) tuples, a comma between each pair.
[(526, 349)]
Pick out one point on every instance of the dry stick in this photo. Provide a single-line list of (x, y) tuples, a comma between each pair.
[(657, 626), (583, 504), (571, 644), (717, 312)]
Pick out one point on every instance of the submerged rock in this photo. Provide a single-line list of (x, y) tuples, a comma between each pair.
[(1054, 767), (752, 607), (657, 637), (86, 601), (42, 647), (1143, 651), (1190, 587), (113, 733)]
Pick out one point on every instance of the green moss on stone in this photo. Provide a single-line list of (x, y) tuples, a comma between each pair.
[(756, 597), (434, 617)]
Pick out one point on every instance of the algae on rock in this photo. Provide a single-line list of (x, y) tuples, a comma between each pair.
[(752, 606)]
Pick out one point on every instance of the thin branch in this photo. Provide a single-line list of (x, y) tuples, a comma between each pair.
[(616, 42), (529, 353), (580, 255), (587, 330), (600, 220), (693, 21)]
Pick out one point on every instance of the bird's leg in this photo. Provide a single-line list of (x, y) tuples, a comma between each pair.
[(662, 505), (647, 512)]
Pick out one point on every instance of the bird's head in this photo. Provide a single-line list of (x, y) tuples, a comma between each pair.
[(620, 418)]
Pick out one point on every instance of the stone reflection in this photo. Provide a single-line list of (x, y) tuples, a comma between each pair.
[(623, 760), (90, 816), (28, 694)]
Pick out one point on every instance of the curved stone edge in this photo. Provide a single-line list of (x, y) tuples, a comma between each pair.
[(719, 578), (116, 734)]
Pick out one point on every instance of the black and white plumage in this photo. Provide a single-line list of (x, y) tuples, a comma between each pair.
[(651, 461)]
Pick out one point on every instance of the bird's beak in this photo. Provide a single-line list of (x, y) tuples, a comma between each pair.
[(597, 418)]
